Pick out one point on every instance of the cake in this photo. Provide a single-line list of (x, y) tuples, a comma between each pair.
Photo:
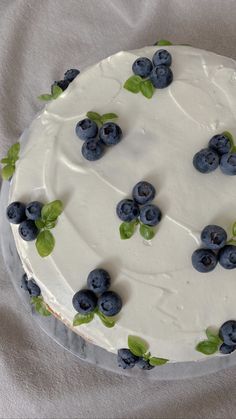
[(166, 302)]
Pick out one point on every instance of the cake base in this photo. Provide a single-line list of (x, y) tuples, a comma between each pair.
[(74, 343)]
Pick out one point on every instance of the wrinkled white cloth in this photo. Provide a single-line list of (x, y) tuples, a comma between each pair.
[(39, 40)]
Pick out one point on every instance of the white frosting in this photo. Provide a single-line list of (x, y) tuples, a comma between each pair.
[(166, 301)]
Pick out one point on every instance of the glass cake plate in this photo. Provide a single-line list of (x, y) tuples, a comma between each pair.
[(74, 343)]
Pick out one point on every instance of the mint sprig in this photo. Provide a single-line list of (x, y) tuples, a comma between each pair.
[(87, 318), (146, 231), (136, 84), (163, 42), (49, 214), (211, 344), (56, 91), (9, 161), (139, 347), (127, 230), (40, 306), (101, 119)]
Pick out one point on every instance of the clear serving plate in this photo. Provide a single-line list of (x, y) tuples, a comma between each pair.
[(74, 343)]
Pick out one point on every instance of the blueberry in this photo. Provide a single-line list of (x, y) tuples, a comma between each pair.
[(71, 74), (63, 84), (109, 303), (84, 301), (24, 282), (144, 365), (228, 164), (227, 257), (86, 129), (220, 143), (99, 281), (228, 332), (150, 215), (33, 288), (213, 237), (126, 359), (142, 67), (161, 76), (204, 260), (127, 210), (110, 133), (227, 349), (16, 212), (33, 210), (162, 57), (206, 160), (143, 192), (92, 149), (28, 230)]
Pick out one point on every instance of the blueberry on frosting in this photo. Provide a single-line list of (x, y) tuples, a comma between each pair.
[(161, 76), (126, 359), (150, 215), (109, 303), (16, 212), (227, 257), (204, 260), (110, 133), (142, 67), (213, 237), (71, 74), (162, 57), (84, 301), (220, 143), (63, 84), (98, 281), (143, 192), (92, 149), (206, 160), (228, 164), (33, 210), (86, 129), (28, 230), (228, 332), (127, 210)]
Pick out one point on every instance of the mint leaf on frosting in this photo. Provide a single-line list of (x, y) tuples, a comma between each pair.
[(137, 345), (146, 232), (101, 119), (127, 229), (133, 84), (163, 42), (56, 91), (147, 88), (40, 306), (108, 116), (154, 361), (207, 347), (52, 210), (45, 97), (107, 321), (9, 161), (82, 318), (234, 229), (45, 243), (213, 335)]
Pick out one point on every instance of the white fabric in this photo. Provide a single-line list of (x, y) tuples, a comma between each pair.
[(39, 40)]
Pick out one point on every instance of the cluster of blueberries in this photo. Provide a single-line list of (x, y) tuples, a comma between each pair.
[(25, 216), (227, 334), (158, 70), (85, 301), (95, 140), (216, 250), (30, 286), (126, 360), (218, 152), (69, 76), (130, 209)]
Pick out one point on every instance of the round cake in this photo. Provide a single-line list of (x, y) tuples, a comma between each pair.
[(166, 301)]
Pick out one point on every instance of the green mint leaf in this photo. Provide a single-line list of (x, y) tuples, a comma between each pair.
[(133, 84), (234, 229), (8, 171), (56, 91), (50, 224), (229, 136), (94, 116), (45, 243), (137, 345), (45, 97), (127, 230), (6, 160), (154, 361), (147, 88), (213, 335), (82, 318), (40, 223), (108, 116), (13, 152), (40, 306), (52, 210), (163, 42), (207, 347), (146, 232), (107, 321), (232, 241)]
